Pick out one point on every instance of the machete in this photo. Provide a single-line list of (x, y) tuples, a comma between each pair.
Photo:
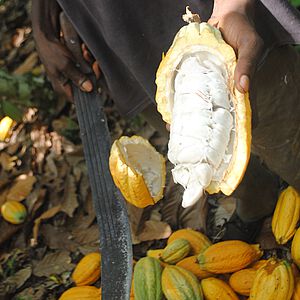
[(109, 204)]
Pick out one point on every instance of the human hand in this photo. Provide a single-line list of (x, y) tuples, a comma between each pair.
[(234, 19), (59, 62)]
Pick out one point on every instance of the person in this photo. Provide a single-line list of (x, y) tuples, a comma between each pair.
[(128, 38)]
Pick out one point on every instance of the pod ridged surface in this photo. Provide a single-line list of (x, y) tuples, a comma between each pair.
[(228, 256), (147, 279), (215, 289), (180, 284), (176, 251), (88, 270), (273, 281), (286, 215), (197, 240), (242, 281)]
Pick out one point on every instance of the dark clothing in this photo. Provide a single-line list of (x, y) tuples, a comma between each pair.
[(275, 102), (128, 41), (129, 37)]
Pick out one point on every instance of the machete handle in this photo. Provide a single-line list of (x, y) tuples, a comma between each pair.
[(73, 43)]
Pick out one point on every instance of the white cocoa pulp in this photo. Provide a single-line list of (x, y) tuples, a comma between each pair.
[(201, 132)]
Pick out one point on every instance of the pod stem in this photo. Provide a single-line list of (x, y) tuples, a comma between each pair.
[(189, 17)]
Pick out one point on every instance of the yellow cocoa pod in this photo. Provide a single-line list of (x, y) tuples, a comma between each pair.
[(198, 48), (273, 281), (176, 251), (134, 263), (258, 264), (296, 294), (295, 249), (191, 264), (286, 215), (180, 284), (138, 170), (13, 212), (242, 281), (157, 254), (5, 125), (228, 256), (81, 293), (215, 289), (88, 269), (197, 240)]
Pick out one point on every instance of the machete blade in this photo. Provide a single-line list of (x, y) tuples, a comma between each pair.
[(111, 212)]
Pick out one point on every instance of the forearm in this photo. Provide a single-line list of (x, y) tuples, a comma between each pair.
[(45, 18)]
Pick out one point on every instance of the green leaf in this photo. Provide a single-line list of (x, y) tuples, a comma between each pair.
[(24, 90), (11, 110), (295, 3), (71, 125)]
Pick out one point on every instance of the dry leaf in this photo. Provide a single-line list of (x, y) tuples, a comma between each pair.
[(19, 37), (31, 293), (41, 143), (20, 240), (46, 215), (27, 65), (225, 208), (171, 204), (31, 115), (155, 230), (69, 201), (78, 172), (56, 143), (58, 238), (135, 215), (75, 157), (15, 281), (194, 216), (50, 167), (35, 200), (13, 147), (3, 195), (84, 188), (4, 179), (87, 236), (69, 147), (88, 203), (7, 230), (21, 188), (81, 220), (86, 249), (53, 264), (7, 162)]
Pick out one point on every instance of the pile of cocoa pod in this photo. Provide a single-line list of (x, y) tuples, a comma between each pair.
[(190, 267)]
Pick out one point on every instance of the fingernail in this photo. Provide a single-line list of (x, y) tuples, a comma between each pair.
[(87, 86), (244, 83)]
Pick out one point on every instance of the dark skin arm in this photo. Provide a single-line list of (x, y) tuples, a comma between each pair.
[(234, 18), (59, 63)]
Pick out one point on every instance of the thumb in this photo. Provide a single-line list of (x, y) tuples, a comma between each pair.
[(249, 49)]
